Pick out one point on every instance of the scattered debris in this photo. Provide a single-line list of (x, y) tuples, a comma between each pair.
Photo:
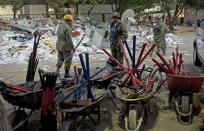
[(16, 43)]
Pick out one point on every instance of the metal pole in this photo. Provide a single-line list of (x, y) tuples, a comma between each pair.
[(134, 51)]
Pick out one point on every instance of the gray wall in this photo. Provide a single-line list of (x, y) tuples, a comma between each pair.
[(97, 11), (35, 10)]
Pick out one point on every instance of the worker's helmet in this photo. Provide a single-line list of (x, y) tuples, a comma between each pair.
[(68, 17), (115, 15)]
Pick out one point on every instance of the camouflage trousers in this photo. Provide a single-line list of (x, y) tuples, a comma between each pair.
[(161, 44), (116, 51), (66, 58)]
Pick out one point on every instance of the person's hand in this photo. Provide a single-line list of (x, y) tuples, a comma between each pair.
[(123, 38), (75, 34), (73, 50)]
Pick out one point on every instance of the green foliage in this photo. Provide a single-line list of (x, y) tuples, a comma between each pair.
[(168, 6), (140, 5), (88, 1), (3, 3), (15, 4), (56, 4), (196, 4), (137, 5)]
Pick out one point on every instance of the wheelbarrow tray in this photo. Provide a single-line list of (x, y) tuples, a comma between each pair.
[(134, 94), (81, 110), (78, 107), (129, 96), (30, 100), (185, 82), (104, 80)]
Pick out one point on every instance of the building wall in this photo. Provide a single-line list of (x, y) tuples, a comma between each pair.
[(7, 11), (35, 11), (97, 12), (189, 16)]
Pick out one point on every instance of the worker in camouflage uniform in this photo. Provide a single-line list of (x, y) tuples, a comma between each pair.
[(160, 31), (64, 45), (117, 33)]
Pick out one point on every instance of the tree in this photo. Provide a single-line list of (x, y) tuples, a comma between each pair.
[(15, 4), (4, 122), (91, 3), (138, 5), (121, 5), (173, 8), (57, 5), (195, 4), (3, 3)]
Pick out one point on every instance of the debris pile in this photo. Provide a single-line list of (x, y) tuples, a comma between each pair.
[(145, 35), (16, 43)]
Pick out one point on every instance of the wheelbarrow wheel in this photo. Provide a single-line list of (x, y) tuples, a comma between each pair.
[(132, 119), (185, 104)]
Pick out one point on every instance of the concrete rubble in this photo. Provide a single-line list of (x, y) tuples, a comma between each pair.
[(17, 42)]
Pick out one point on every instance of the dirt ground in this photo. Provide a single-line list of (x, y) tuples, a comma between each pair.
[(111, 117)]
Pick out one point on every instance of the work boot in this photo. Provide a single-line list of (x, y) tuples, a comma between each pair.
[(58, 73), (66, 74)]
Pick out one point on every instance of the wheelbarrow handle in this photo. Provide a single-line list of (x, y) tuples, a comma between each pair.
[(79, 86), (80, 42)]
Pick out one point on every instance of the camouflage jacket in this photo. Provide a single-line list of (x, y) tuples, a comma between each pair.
[(159, 31), (64, 37), (163, 29), (117, 31)]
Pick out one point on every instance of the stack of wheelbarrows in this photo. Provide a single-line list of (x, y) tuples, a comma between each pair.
[(80, 97)]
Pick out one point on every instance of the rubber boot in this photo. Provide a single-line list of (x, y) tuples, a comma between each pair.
[(66, 74), (58, 73)]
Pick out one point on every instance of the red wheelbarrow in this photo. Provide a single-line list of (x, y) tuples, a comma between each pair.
[(181, 87)]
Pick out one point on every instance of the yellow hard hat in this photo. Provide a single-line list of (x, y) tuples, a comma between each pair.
[(68, 17)]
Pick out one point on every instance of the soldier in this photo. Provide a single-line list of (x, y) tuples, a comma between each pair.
[(160, 31), (117, 33), (64, 45)]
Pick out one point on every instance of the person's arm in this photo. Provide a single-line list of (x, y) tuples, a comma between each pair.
[(122, 32), (69, 39)]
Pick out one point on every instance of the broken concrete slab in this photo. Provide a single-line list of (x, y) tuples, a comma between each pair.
[(21, 27)]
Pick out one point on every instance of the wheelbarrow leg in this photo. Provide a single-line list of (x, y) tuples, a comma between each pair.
[(127, 107), (92, 119), (24, 121), (185, 113), (113, 103), (171, 95), (112, 92), (99, 114)]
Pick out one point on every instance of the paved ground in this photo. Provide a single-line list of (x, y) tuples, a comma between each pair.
[(111, 117)]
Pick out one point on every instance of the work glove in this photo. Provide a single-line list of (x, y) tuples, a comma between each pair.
[(123, 38)]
